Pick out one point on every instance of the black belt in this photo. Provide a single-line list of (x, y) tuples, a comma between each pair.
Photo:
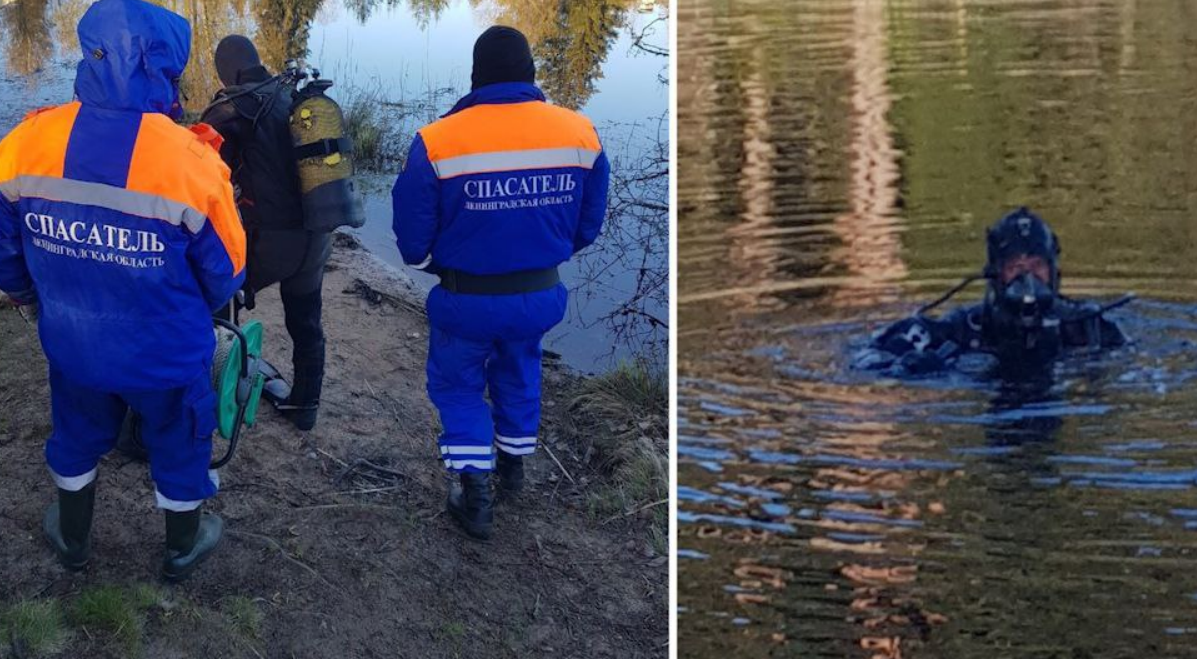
[(513, 283)]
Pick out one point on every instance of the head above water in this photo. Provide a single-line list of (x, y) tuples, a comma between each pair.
[(133, 55), (1022, 267), (502, 54), (1022, 243), (235, 54)]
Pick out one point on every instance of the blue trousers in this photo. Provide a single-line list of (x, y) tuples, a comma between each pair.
[(176, 427), (488, 345), (460, 372)]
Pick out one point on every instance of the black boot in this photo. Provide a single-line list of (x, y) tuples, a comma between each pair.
[(190, 538), (302, 417), (303, 401), (295, 403), (68, 526), (511, 472), (471, 505)]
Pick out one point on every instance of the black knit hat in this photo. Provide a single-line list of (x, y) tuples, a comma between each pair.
[(502, 54), (235, 54)]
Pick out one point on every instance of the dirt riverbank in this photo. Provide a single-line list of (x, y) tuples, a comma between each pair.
[(337, 543)]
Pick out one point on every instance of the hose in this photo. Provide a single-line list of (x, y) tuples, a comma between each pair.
[(950, 294)]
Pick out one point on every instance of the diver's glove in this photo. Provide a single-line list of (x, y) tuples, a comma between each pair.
[(921, 363), (925, 362)]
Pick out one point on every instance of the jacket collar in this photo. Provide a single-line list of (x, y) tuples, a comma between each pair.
[(499, 94)]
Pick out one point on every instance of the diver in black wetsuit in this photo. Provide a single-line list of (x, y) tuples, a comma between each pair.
[(1023, 320), (252, 114)]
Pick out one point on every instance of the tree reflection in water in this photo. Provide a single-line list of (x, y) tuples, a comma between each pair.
[(571, 40)]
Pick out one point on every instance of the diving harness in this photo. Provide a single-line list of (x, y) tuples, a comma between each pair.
[(323, 150)]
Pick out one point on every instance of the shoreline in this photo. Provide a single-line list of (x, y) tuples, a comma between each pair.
[(337, 542)]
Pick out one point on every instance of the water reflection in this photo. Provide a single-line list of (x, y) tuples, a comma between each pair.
[(571, 40), (399, 64), (838, 163)]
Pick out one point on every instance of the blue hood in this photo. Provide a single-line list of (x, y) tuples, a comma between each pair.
[(133, 55)]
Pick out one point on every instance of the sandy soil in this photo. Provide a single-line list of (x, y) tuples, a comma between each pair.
[(339, 535)]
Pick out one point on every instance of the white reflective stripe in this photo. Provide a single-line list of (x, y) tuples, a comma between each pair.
[(527, 450), (73, 483), (166, 503), (516, 441), (176, 506), (477, 464), (423, 264), (506, 161), (103, 196), (466, 450)]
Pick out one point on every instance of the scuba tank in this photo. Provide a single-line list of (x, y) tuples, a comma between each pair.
[(324, 154)]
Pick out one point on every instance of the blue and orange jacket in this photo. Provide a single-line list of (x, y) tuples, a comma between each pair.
[(118, 221), (504, 182)]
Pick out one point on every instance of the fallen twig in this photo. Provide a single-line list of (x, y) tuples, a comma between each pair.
[(331, 457), (374, 490), (633, 512), (559, 465), (291, 559), (330, 506)]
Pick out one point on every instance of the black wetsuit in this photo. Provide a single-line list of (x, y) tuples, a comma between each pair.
[(260, 155), (922, 344)]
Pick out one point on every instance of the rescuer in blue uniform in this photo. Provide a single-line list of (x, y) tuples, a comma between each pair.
[(1024, 321), (493, 197), (121, 225)]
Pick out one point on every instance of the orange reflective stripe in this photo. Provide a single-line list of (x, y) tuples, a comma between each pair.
[(508, 127), (169, 161), (39, 143)]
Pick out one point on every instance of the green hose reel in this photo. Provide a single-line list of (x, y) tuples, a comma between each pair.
[(237, 380)]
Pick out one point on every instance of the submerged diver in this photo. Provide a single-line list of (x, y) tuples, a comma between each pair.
[(252, 114), (493, 197), (1022, 321), (122, 226)]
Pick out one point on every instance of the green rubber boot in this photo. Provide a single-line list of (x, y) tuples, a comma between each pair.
[(190, 538), (68, 526)]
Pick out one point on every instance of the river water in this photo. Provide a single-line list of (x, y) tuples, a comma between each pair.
[(839, 161), (414, 57)]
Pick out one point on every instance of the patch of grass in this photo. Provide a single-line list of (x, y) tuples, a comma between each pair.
[(453, 630), (36, 627), (118, 611), (146, 596), (454, 635), (624, 414), (364, 124), (244, 617)]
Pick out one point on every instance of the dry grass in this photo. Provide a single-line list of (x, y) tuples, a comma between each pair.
[(623, 417)]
